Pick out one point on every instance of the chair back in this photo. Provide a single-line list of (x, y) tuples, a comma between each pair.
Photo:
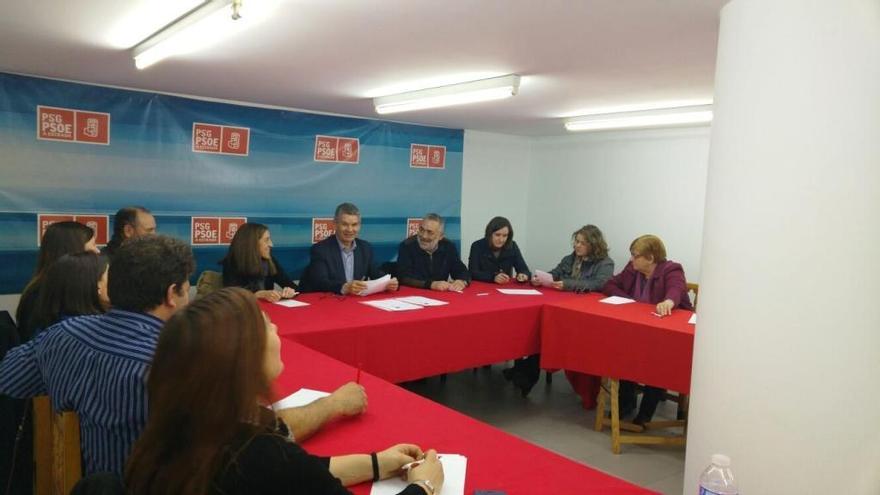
[(57, 454), (695, 288)]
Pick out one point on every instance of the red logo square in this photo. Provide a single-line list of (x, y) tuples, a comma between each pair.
[(347, 150), (93, 127), (44, 221), (235, 140), (412, 226), (55, 123), (205, 230), (418, 155), (206, 138), (322, 228), (325, 148), (98, 223), (228, 228), (437, 157)]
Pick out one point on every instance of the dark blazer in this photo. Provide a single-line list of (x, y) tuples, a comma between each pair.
[(326, 273), (667, 282), (232, 278), (483, 264), (417, 268)]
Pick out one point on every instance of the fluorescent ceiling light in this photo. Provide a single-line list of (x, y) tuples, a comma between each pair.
[(494, 88), (665, 117), (196, 29)]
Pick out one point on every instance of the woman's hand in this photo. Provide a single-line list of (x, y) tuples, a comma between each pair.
[(665, 308), (535, 281), (288, 293), (268, 295), (521, 277), (430, 470), (558, 284), (394, 457), (502, 278)]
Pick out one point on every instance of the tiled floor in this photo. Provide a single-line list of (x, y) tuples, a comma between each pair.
[(552, 417)]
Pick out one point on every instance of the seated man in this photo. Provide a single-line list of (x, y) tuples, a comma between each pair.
[(96, 365), (342, 262), (427, 260), (129, 223)]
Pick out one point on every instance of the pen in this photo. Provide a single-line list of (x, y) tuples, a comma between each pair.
[(413, 464), (358, 378), (658, 315)]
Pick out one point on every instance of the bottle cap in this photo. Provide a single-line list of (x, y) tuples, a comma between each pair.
[(721, 460)]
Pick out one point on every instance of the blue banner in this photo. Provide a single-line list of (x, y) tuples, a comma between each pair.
[(77, 151)]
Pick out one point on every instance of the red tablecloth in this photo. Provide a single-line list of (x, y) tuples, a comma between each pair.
[(622, 341), (496, 460), (470, 331)]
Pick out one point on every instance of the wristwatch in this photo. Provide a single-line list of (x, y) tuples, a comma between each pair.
[(427, 484)]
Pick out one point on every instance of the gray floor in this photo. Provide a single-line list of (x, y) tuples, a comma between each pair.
[(552, 416)]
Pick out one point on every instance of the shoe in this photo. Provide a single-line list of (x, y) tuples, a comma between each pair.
[(641, 420), (507, 373), (523, 383)]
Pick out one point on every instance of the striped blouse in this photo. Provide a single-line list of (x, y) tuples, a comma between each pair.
[(94, 365)]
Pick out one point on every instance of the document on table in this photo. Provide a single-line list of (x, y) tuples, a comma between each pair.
[(617, 300), (301, 397), (378, 285), (454, 470), (520, 292), (544, 278), (693, 320), (422, 301), (392, 305), (291, 303)]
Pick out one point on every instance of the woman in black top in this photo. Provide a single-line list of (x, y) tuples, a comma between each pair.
[(495, 257), (59, 239), (75, 285), (207, 432), (250, 264)]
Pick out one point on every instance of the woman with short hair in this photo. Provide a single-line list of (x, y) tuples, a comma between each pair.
[(250, 264), (649, 278), (496, 257), (208, 430)]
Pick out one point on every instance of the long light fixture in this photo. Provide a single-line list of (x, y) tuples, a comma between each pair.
[(661, 117), (494, 88), (196, 29)]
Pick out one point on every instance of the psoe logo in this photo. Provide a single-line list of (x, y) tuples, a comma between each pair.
[(98, 223), (412, 226), (322, 228), (205, 230), (68, 124), (229, 226)]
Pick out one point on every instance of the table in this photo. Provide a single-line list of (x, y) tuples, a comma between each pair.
[(622, 341), (496, 460), (479, 326)]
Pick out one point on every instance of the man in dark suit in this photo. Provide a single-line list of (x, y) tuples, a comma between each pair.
[(341, 263)]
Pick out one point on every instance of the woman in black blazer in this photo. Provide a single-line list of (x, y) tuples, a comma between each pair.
[(250, 264)]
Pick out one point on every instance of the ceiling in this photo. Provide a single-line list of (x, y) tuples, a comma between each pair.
[(334, 55)]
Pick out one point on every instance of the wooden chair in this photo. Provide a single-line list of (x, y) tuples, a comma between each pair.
[(57, 455), (610, 391)]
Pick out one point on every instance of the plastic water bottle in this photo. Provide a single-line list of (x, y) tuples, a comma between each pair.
[(718, 479)]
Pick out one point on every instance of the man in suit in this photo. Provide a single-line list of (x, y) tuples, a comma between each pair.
[(342, 263)]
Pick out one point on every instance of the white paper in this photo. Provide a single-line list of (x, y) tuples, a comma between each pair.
[(520, 292), (392, 305), (291, 303), (454, 471), (693, 320), (422, 301), (617, 300), (378, 285), (544, 278), (301, 397)]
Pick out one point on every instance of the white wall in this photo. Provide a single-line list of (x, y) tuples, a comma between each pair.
[(626, 183), (495, 181)]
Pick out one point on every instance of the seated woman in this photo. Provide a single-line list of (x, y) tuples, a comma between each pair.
[(75, 285), (59, 239), (588, 267), (210, 434), (650, 278), (250, 264), (495, 257)]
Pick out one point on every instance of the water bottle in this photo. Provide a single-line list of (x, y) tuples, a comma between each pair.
[(717, 479)]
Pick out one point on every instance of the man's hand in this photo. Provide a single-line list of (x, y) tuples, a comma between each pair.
[(558, 284), (458, 285), (502, 278), (348, 400), (354, 287), (393, 285), (521, 277), (440, 285)]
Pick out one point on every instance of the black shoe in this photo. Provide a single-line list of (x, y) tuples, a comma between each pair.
[(507, 373), (523, 383)]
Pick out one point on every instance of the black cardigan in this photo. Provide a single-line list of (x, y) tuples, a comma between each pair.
[(483, 264), (231, 278)]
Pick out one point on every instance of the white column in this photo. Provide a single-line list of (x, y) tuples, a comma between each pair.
[(786, 376)]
